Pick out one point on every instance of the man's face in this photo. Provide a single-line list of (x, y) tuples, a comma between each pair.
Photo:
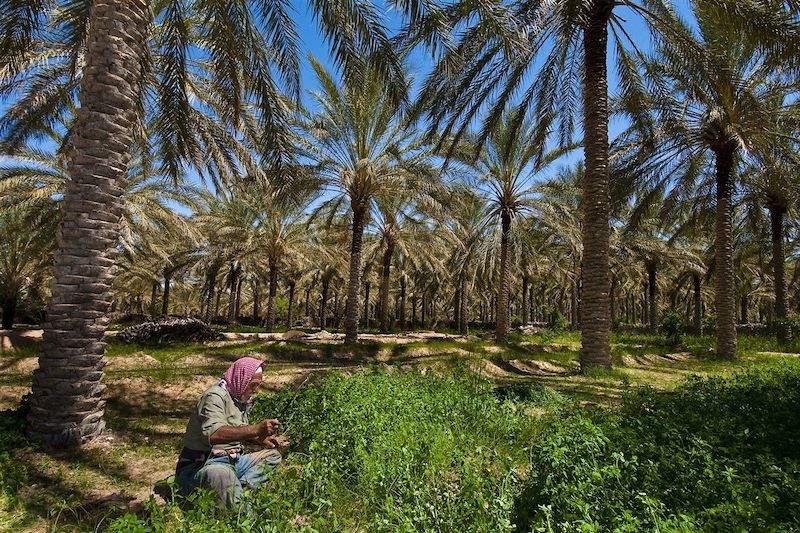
[(253, 387)]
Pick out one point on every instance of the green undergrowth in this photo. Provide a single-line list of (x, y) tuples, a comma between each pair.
[(715, 455), (417, 452), (393, 452)]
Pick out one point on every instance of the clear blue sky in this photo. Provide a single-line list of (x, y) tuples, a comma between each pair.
[(313, 43)]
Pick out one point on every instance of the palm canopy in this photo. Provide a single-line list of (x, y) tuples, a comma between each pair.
[(35, 181), (529, 57), (360, 146), (710, 94), (219, 81)]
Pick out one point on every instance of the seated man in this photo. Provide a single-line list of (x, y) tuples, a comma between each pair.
[(212, 455)]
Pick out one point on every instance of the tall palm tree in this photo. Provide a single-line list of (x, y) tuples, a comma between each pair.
[(769, 183), (713, 94), (362, 150), (486, 71), (241, 44), (505, 166), (465, 230)]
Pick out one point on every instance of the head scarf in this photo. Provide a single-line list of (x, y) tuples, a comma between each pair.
[(239, 375)]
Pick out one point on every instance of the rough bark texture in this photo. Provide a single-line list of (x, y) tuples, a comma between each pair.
[(384, 296), (353, 306), (596, 325), (66, 406), (289, 317), (9, 310), (501, 328), (273, 291), (165, 301), (652, 285), (725, 296), (784, 330), (698, 304), (525, 308)]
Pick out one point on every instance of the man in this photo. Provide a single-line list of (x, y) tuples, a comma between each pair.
[(212, 456)]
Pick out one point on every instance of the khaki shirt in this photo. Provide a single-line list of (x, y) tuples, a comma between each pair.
[(215, 409)]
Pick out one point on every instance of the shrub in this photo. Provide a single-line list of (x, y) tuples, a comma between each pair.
[(672, 326), (716, 455), (556, 321)]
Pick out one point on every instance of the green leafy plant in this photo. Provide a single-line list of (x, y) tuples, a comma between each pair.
[(672, 326)]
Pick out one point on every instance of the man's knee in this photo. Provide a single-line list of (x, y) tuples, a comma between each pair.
[(223, 481)]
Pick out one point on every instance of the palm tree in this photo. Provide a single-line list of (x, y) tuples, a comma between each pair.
[(714, 94), (465, 230), (362, 151), (505, 166), (240, 44), (34, 181), (769, 183), (486, 71)]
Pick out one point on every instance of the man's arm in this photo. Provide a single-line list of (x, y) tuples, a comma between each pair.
[(258, 431)]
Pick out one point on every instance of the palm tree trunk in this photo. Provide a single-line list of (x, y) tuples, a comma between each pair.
[(653, 296), (423, 310), (256, 300), (613, 298), (744, 303), (384, 296), (698, 304), (216, 303), (153, 298), (66, 406), (165, 302), (524, 300), (501, 328), (233, 289), (273, 291), (9, 310), (308, 300), (336, 309), (414, 311), (725, 296), (291, 305), (463, 318), (366, 304), (784, 329), (596, 326), (573, 307), (323, 305), (402, 302), (237, 308), (353, 306)]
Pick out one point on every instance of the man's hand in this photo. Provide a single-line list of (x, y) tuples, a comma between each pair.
[(281, 442), (267, 427)]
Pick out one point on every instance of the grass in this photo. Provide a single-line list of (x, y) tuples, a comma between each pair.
[(148, 405)]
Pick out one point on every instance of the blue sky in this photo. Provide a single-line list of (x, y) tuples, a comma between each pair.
[(312, 42)]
